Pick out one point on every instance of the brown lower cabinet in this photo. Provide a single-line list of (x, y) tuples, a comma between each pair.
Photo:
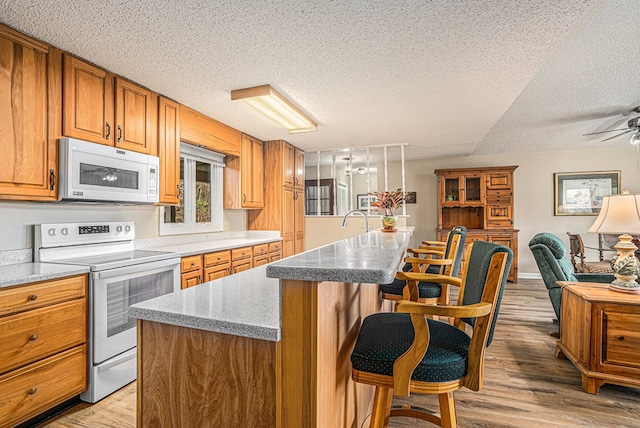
[(241, 259), (200, 268), (43, 357)]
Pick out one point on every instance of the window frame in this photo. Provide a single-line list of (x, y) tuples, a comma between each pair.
[(190, 154)]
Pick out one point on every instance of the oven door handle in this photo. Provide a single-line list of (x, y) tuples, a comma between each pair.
[(129, 355), (139, 268)]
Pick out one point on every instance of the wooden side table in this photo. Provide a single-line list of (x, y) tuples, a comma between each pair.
[(600, 334)]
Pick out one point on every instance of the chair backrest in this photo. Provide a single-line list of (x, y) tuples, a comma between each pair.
[(475, 279), (576, 249), (549, 253), (454, 250)]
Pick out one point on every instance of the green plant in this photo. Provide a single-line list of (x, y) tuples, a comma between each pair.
[(387, 202)]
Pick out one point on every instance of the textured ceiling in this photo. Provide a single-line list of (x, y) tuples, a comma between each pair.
[(446, 77)]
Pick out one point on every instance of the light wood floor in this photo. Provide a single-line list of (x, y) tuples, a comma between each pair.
[(525, 386)]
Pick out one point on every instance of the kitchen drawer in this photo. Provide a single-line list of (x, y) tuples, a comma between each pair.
[(191, 279), (241, 253), (217, 259), (31, 390), (191, 263), (30, 336), (260, 250), (25, 297), (240, 266), (261, 260), (275, 247), (216, 272), (277, 255)]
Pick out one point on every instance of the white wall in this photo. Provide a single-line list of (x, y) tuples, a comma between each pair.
[(533, 210), (17, 219)]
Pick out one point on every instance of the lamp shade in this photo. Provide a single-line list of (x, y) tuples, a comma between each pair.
[(619, 214)]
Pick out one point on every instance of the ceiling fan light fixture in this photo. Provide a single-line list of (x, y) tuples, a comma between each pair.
[(635, 138), (276, 107)]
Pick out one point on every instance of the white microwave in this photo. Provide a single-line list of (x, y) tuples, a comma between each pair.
[(93, 172)]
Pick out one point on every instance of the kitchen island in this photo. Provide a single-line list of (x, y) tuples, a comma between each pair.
[(268, 347)]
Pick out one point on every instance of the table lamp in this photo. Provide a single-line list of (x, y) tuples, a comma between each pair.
[(620, 214)]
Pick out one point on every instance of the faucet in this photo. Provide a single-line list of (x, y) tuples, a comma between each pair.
[(366, 219)]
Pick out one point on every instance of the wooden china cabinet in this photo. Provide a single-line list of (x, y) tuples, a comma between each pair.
[(481, 199)]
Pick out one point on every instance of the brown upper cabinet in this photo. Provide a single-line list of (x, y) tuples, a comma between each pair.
[(105, 109), (293, 166), (244, 176), (201, 130), (169, 151), (284, 201), (30, 85)]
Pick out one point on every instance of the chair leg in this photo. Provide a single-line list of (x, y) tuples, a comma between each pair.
[(381, 407), (447, 410)]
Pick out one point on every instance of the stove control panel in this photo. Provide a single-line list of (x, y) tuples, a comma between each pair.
[(65, 234)]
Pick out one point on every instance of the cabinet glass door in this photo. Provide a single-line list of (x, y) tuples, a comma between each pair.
[(472, 189), (452, 189)]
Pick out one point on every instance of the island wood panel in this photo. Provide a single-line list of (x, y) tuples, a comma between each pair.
[(208, 379), (320, 323)]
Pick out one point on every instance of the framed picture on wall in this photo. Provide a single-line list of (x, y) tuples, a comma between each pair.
[(580, 193), (364, 202)]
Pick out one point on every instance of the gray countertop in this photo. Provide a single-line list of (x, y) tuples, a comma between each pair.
[(209, 246), (244, 304), (248, 303), (25, 273), (188, 245), (372, 257)]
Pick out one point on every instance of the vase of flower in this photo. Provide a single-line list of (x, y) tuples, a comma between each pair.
[(386, 203)]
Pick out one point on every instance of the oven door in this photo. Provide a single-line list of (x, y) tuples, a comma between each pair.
[(114, 290)]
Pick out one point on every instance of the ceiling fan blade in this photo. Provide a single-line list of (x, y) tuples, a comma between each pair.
[(604, 132), (617, 135)]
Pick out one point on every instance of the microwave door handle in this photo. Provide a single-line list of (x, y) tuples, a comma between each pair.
[(139, 268)]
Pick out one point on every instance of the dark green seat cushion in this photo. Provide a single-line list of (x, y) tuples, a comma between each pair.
[(426, 290), (385, 336)]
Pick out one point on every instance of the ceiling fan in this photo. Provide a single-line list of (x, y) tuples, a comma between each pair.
[(633, 125)]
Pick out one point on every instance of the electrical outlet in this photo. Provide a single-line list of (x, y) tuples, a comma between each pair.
[(225, 225), (370, 224), (362, 224)]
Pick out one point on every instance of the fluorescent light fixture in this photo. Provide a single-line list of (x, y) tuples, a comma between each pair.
[(273, 105)]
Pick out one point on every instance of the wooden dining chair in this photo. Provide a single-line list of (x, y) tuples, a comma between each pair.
[(431, 258), (404, 352)]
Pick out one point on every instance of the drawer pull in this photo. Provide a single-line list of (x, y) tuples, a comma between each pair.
[(32, 391), (193, 264), (33, 337), (33, 297), (621, 338), (218, 258)]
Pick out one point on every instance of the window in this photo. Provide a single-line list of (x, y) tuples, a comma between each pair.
[(200, 208)]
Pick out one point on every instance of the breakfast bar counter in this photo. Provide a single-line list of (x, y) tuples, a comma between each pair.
[(268, 347)]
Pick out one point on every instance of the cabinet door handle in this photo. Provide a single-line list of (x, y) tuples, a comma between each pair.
[(52, 179), (33, 337), (244, 198), (106, 137), (200, 278), (119, 133)]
